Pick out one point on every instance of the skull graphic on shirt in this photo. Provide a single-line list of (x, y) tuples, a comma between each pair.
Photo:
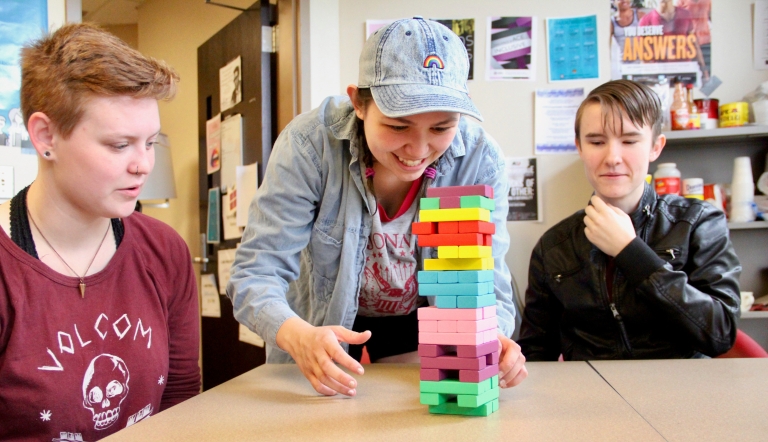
[(105, 386)]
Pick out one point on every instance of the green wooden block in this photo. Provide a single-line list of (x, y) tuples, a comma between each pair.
[(474, 201), (451, 386), (454, 408), (434, 398), (495, 405), (429, 204), (472, 401)]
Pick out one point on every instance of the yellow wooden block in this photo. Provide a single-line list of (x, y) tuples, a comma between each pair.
[(442, 215), (459, 264), (472, 252), (446, 252)]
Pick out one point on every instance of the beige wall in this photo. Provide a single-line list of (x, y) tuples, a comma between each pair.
[(172, 30), (127, 33)]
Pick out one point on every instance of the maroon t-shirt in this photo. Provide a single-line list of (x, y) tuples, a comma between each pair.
[(82, 369)]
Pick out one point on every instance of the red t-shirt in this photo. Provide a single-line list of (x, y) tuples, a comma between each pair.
[(82, 369)]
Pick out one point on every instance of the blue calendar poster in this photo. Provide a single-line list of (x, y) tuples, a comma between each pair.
[(572, 48)]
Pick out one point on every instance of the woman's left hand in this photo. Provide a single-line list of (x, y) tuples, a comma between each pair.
[(512, 369)]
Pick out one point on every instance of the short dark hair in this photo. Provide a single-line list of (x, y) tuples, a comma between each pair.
[(625, 97)]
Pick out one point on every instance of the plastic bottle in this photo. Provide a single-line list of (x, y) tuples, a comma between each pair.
[(678, 110), (666, 180), (694, 118)]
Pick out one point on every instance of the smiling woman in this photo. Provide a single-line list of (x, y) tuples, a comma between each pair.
[(77, 259), (328, 261)]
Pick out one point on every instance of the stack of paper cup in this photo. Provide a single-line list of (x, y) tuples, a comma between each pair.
[(742, 191)]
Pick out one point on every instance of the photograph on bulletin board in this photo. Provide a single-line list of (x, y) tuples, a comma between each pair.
[(668, 38), (524, 196), (511, 48), (21, 21), (572, 48)]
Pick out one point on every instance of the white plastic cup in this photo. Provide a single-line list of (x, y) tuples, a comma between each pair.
[(742, 183)]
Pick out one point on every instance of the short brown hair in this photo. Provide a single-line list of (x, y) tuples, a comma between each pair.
[(625, 97), (59, 72)]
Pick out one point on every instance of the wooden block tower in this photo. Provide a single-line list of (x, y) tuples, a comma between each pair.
[(458, 346)]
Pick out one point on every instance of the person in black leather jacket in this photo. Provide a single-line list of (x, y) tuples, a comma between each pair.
[(634, 275)]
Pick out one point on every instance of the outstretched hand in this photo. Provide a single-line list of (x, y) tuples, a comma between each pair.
[(512, 369), (608, 227), (317, 350)]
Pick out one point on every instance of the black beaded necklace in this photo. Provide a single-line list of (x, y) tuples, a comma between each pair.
[(21, 233)]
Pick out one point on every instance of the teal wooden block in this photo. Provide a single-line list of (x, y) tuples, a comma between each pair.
[(468, 276), (474, 201), (474, 401), (495, 405), (451, 386), (448, 277), (434, 398), (458, 289), (427, 276), (445, 301), (454, 408), (475, 301), (429, 204)]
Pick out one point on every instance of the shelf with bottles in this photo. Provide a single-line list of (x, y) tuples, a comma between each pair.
[(748, 225), (715, 135)]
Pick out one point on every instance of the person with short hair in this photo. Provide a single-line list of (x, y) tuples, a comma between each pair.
[(634, 275), (328, 261), (98, 304)]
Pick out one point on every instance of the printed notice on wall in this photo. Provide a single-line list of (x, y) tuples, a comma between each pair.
[(524, 196), (555, 115), (210, 305), (226, 259), (572, 48), (230, 84), (511, 48), (249, 337)]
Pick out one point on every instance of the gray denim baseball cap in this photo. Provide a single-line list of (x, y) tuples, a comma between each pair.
[(414, 66)]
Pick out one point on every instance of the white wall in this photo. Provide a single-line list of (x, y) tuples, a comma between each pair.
[(508, 106)]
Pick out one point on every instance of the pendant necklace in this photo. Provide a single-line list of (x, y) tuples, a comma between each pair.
[(82, 278)]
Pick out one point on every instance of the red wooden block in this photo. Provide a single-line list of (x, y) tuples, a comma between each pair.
[(454, 363), (488, 240), (450, 202), (448, 227), (492, 358), (434, 374), (476, 227), (451, 239), (479, 375), (473, 351), (482, 190), (424, 228)]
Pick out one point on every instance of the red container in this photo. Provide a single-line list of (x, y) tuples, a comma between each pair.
[(708, 106)]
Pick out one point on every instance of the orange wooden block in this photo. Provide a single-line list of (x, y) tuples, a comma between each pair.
[(449, 227), (476, 227), (423, 228), (488, 240), (455, 239)]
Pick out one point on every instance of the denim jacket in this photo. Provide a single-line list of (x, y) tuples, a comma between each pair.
[(303, 251)]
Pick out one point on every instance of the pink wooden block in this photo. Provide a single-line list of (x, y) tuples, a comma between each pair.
[(471, 351), (434, 350), (474, 326), (489, 311), (455, 338), (479, 375), (450, 202), (433, 374), (428, 326), (448, 327), (492, 358), (482, 190), (451, 314), (454, 363), (490, 335)]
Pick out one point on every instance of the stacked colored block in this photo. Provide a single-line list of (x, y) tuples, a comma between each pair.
[(458, 344)]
